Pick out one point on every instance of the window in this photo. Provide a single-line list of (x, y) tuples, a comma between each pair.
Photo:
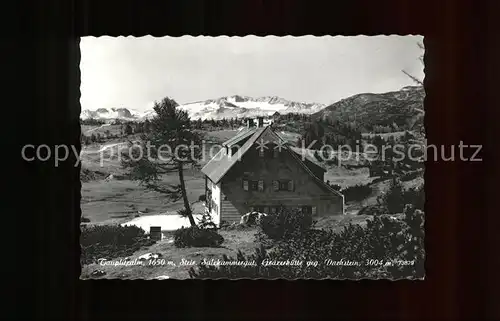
[(307, 209), (283, 185), (276, 153), (249, 185), (261, 152)]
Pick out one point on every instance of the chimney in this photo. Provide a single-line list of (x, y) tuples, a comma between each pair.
[(261, 121), (250, 123)]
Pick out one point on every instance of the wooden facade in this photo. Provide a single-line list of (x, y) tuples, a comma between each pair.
[(264, 179)]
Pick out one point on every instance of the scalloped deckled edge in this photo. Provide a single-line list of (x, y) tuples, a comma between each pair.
[(425, 87)]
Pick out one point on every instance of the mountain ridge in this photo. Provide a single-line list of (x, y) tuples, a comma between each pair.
[(401, 108), (223, 107)]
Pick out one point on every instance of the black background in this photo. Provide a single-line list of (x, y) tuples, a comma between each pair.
[(461, 216)]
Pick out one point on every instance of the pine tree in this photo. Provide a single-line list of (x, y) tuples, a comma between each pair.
[(170, 128), (127, 129), (147, 126), (198, 124)]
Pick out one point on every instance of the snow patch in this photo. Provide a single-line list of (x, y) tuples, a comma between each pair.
[(168, 222)]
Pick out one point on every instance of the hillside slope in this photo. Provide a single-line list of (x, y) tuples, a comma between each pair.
[(403, 108)]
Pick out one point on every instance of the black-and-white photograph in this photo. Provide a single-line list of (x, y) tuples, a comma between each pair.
[(252, 157)]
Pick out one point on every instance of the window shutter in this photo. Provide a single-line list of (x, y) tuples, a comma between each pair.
[(245, 184), (276, 186), (261, 186), (290, 185)]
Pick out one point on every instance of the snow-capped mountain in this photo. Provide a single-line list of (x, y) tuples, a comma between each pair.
[(243, 106), (224, 107), (116, 113)]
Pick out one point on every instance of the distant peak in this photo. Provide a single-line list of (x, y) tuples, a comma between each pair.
[(239, 98)]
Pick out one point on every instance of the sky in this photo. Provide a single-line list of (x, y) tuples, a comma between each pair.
[(134, 72)]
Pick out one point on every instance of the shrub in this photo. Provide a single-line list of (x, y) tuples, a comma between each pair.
[(184, 212), (206, 221), (202, 198), (382, 239), (397, 197), (87, 175), (84, 219), (224, 224), (373, 210), (394, 198), (111, 241), (411, 175), (285, 223), (357, 192), (195, 236), (415, 196), (336, 187)]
